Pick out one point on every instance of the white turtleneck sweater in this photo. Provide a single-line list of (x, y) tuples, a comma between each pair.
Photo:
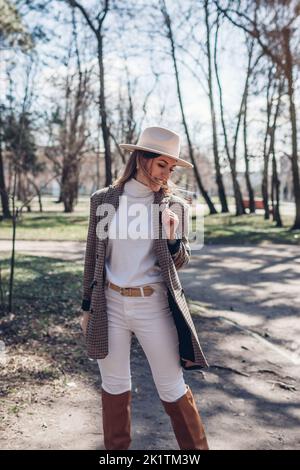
[(130, 259)]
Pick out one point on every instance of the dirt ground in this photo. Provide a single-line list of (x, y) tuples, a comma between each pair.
[(245, 301)]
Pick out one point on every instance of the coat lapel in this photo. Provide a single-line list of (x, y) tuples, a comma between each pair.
[(160, 244), (112, 197)]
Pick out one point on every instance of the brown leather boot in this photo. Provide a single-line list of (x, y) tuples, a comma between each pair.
[(116, 418), (186, 422)]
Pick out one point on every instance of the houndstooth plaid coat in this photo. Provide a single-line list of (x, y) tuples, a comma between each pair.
[(170, 259)]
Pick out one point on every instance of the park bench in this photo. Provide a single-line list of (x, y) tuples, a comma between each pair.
[(259, 204)]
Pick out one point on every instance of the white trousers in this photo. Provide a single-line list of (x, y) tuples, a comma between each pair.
[(151, 320)]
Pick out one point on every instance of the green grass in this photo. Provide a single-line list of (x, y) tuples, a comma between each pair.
[(51, 224), (42, 335), (44, 286), (47, 226), (247, 229)]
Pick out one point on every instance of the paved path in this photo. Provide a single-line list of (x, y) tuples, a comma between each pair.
[(68, 250)]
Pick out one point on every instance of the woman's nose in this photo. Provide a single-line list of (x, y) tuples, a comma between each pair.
[(166, 173)]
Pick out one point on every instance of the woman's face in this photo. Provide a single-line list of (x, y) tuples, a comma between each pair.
[(161, 169)]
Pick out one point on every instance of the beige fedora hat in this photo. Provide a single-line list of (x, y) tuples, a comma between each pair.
[(161, 141)]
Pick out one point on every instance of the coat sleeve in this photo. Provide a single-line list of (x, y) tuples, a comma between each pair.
[(90, 257), (180, 250)]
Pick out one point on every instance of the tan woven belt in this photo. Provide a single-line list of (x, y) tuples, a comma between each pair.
[(132, 291)]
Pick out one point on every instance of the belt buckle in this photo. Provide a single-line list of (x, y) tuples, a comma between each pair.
[(150, 290), (124, 290)]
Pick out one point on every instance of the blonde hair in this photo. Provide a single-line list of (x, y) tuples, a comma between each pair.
[(139, 159)]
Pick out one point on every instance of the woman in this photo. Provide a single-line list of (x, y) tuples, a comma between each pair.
[(131, 286)]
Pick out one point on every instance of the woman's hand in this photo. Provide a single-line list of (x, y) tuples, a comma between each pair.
[(84, 321), (170, 222), (188, 363)]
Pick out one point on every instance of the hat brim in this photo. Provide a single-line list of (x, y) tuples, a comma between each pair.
[(179, 161)]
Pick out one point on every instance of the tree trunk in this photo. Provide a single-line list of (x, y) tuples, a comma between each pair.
[(3, 192), (70, 183), (240, 210), (219, 179), (264, 187), (12, 258), (265, 184), (293, 117), (266, 151), (38, 192), (275, 178), (102, 107), (245, 124), (276, 193)]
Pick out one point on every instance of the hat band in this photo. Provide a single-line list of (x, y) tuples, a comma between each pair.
[(158, 148), (148, 154)]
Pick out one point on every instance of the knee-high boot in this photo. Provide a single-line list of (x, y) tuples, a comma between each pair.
[(186, 422), (116, 418)]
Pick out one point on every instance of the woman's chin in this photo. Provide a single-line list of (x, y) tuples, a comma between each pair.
[(156, 187)]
